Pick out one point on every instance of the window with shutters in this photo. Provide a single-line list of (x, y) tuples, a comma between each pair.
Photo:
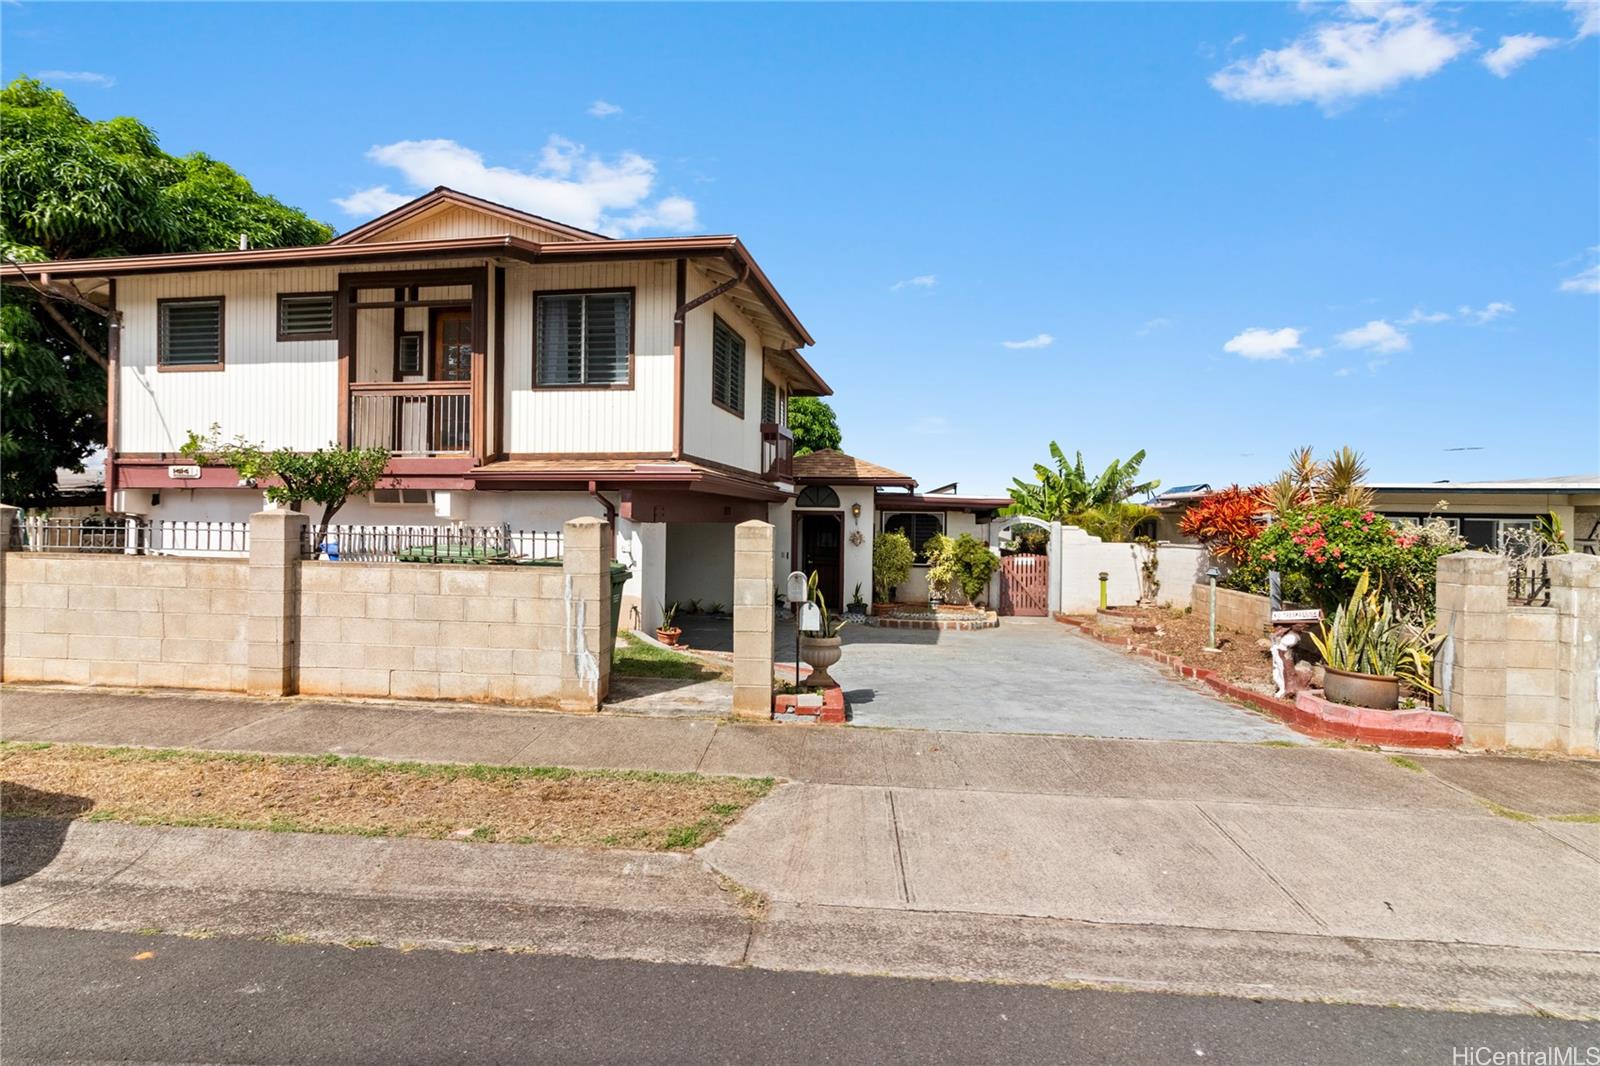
[(773, 407), (305, 316), (584, 339), (189, 334), (919, 528), (727, 367)]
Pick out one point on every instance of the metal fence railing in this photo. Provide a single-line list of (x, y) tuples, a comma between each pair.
[(429, 544), (112, 534)]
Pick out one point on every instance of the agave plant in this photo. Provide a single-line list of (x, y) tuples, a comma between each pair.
[(1365, 636)]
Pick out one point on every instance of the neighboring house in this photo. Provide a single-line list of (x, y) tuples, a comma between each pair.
[(1479, 510), (519, 371)]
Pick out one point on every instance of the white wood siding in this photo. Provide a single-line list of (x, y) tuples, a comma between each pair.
[(463, 222), (599, 421), (280, 394), (709, 431)]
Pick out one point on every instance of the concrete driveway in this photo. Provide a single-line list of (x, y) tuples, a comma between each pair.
[(1029, 676)]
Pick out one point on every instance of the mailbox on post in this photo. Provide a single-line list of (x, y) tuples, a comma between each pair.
[(799, 588)]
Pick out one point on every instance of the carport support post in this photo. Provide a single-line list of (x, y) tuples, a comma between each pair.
[(752, 620)]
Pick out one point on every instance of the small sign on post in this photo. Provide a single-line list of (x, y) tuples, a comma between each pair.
[(1284, 618)]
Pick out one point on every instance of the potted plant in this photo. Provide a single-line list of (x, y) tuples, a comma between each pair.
[(1367, 652), (667, 632), (821, 648), (857, 606), (892, 558), (942, 569)]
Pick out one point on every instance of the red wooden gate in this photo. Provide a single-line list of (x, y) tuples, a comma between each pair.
[(1025, 585)]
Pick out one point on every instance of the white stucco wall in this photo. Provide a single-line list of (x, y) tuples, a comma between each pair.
[(1083, 557), (700, 563)]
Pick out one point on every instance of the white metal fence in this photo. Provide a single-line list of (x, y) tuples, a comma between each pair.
[(107, 534), (426, 544)]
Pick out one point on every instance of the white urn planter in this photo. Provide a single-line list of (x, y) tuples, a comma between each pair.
[(819, 653)]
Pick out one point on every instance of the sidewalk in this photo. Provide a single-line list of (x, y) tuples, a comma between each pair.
[(1246, 869)]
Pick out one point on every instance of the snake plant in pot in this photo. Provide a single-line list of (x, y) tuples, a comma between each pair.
[(821, 647), (1368, 652)]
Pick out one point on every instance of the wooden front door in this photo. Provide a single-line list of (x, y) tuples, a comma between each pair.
[(452, 345), (1025, 585), (819, 549)]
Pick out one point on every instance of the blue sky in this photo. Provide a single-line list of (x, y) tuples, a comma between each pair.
[(1211, 231)]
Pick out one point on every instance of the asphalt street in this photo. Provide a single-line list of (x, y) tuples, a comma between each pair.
[(75, 995)]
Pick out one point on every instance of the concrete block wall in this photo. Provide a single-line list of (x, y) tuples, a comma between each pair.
[(1516, 676), (1239, 612), (753, 594), (276, 625), (125, 620)]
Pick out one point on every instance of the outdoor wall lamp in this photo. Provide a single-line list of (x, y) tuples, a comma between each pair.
[(855, 511)]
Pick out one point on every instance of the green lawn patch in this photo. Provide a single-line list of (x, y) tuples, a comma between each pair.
[(638, 658)]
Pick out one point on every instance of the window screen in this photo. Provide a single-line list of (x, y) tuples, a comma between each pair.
[(918, 528), (583, 338), (727, 367), (305, 316), (191, 332)]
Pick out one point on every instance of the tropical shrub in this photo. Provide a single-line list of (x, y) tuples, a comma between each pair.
[(892, 557), (1321, 554), (1226, 522), (1366, 636), (963, 563)]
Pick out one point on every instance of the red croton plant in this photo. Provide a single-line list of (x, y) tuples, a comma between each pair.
[(1226, 522)]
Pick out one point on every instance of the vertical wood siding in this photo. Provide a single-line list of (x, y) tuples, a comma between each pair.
[(709, 431), (602, 421), (464, 222), (282, 394)]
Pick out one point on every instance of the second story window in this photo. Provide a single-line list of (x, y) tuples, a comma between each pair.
[(189, 334), (727, 367), (583, 338), (305, 316), (774, 407)]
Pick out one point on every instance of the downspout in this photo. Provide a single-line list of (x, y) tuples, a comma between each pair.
[(679, 318)]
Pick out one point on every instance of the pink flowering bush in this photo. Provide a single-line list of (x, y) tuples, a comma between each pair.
[(1321, 553)]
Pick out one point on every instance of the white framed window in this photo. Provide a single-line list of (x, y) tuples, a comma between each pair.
[(402, 497)]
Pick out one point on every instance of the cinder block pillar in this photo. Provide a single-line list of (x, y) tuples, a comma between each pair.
[(589, 638), (8, 516), (1471, 671), (1575, 596), (272, 625), (752, 620)]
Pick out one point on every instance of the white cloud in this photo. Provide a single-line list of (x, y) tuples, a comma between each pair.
[(1365, 49), (1153, 325), (82, 77), (1584, 281), (569, 184), (1431, 318), (1378, 336), (1041, 340), (1514, 51), (371, 202), (1257, 343), (1343, 372), (921, 281), (604, 109), (1487, 313), (1586, 14)]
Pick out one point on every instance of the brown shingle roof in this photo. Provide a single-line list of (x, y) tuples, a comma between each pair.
[(836, 468)]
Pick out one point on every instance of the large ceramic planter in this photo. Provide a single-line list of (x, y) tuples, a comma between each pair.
[(669, 636), (1361, 690), (819, 653)]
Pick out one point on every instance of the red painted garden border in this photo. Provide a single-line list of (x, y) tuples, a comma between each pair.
[(1309, 713)]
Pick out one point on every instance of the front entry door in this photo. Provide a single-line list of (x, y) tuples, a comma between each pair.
[(452, 346), (452, 361), (821, 551)]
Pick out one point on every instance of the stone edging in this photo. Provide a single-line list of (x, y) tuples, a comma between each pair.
[(991, 620), (1309, 714), (831, 711)]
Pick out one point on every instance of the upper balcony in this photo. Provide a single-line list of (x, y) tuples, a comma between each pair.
[(777, 452)]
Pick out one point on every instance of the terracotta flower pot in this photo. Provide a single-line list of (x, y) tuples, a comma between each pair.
[(669, 636), (1361, 690), (820, 653)]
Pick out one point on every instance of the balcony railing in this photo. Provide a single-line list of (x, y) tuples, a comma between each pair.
[(417, 419), (777, 452)]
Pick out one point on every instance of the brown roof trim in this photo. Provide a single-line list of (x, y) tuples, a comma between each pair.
[(263, 258), (914, 501), (645, 474), (445, 195)]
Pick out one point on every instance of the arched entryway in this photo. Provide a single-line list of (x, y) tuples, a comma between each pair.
[(1024, 577)]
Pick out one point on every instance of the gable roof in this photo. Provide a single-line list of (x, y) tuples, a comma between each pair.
[(444, 196), (832, 467)]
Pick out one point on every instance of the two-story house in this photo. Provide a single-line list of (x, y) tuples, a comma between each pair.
[(518, 370)]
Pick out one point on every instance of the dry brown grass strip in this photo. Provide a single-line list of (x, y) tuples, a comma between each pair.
[(328, 794)]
